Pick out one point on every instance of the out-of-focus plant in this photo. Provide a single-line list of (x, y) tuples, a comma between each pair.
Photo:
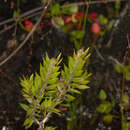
[(105, 107), (123, 69), (53, 87), (75, 117)]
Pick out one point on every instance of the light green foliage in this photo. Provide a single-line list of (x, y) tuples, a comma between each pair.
[(126, 126), (55, 9), (50, 128), (51, 87), (103, 20), (70, 10), (102, 95), (105, 107), (59, 21), (117, 4), (108, 118)]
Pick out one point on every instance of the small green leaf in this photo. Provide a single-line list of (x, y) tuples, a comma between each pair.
[(125, 125), (117, 4), (54, 75), (105, 107), (102, 95), (127, 72), (110, 24), (55, 9), (69, 97), (50, 128), (82, 87), (75, 91), (119, 68), (53, 86), (103, 20), (30, 111), (16, 16), (78, 34), (24, 106), (73, 9), (70, 10), (59, 21), (56, 111), (28, 122), (108, 118), (52, 81), (125, 98)]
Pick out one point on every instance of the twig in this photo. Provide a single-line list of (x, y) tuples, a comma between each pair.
[(99, 54), (115, 26), (91, 2), (28, 36), (21, 16), (67, 5), (8, 28), (11, 26)]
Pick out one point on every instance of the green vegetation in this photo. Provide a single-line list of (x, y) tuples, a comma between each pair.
[(53, 87)]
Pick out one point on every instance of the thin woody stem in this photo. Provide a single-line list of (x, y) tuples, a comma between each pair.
[(28, 36)]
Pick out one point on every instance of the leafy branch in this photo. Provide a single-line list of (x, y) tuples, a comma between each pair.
[(52, 87)]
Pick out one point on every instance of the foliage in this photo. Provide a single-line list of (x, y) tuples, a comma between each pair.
[(120, 68), (53, 87), (105, 107)]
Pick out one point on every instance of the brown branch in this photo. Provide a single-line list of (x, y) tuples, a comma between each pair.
[(28, 36), (66, 5)]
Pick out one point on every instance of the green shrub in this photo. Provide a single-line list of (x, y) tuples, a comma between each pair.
[(52, 87)]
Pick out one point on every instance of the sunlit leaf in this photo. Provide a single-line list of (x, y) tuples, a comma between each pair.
[(82, 87), (28, 122), (69, 97), (24, 106)]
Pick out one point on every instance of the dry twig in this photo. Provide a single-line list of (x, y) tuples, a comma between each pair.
[(28, 36)]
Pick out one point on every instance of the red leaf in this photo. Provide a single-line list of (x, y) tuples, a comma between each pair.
[(68, 19), (93, 15), (95, 28), (43, 26), (79, 15), (28, 25)]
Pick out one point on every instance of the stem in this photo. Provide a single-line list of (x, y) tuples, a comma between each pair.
[(85, 21), (123, 81)]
